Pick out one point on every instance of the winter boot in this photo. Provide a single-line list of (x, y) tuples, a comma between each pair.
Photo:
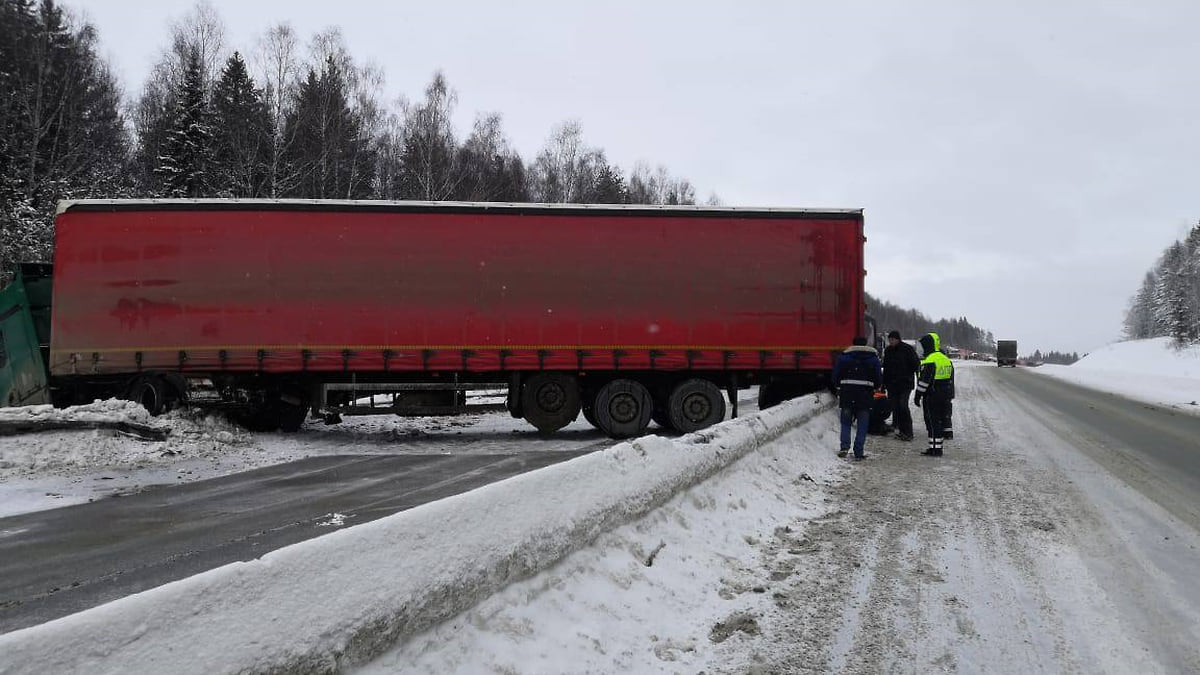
[(937, 447), (931, 450)]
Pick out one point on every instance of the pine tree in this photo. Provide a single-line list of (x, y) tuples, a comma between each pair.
[(489, 169), (1171, 308), (61, 132), (329, 153), (243, 136), (609, 187), (1139, 319), (1190, 282), (187, 150)]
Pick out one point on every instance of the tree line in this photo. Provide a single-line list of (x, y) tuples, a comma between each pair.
[(1059, 358), (1168, 302), (912, 324), (294, 119)]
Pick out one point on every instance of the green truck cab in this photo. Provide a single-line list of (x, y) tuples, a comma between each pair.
[(25, 336)]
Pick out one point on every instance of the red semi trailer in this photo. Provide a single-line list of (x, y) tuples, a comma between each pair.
[(279, 308)]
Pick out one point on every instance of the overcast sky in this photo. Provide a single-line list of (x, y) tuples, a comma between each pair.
[(1020, 163)]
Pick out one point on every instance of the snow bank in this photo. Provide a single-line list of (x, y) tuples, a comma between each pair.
[(1155, 371), (349, 595), (193, 434), (112, 410)]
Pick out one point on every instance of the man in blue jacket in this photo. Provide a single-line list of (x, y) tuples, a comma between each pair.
[(857, 374)]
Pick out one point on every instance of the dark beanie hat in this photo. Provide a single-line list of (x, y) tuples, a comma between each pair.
[(894, 334)]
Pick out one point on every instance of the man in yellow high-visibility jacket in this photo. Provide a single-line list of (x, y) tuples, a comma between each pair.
[(934, 383)]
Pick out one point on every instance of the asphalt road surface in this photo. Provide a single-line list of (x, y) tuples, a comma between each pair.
[(1154, 449), (58, 562)]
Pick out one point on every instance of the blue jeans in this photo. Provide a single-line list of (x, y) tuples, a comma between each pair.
[(863, 418)]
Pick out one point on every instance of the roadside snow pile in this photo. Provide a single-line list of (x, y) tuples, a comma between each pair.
[(113, 411), (1155, 371), (344, 597), (192, 435)]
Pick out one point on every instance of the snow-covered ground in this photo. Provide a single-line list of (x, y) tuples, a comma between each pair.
[(735, 550), (1154, 371), (58, 468), (790, 561), (318, 603)]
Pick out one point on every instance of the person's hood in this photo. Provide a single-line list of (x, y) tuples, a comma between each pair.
[(860, 349), (929, 343)]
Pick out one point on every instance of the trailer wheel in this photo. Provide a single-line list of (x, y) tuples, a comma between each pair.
[(695, 404), (550, 401), (152, 392), (623, 408)]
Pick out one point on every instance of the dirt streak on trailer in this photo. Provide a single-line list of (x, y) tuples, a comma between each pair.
[(625, 313)]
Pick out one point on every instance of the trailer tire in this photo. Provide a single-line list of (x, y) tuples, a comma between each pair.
[(695, 404), (152, 392), (550, 400), (623, 408)]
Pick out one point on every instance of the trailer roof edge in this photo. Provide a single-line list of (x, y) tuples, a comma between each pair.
[(426, 206)]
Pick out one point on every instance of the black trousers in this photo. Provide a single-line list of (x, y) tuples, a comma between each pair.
[(934, 404), (901, 416)]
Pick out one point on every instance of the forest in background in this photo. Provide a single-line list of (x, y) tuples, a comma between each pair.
[(1168, 302), (912, 324), (289, 116)]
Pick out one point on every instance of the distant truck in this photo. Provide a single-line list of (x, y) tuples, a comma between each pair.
[(275, 309), (1006, 353)]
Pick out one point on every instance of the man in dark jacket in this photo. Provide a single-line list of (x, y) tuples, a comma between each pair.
[(857, 374), (900, 365)]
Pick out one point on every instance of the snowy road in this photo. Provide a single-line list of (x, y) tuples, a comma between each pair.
[(1040, 543), (61, 561), (1016, 552), (1154, 448)]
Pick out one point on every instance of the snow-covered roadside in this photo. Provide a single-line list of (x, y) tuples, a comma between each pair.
[(1154, 371), (344, 596), (1013, 553), (58, 468), (664, 593)]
